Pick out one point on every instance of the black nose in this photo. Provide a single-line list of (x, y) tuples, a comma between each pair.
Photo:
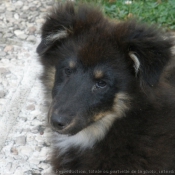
[(58, 122)]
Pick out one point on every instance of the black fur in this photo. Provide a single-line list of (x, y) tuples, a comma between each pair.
[(142, 139)]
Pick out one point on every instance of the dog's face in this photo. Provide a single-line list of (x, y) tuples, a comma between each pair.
[(85, 89), (97, 65)]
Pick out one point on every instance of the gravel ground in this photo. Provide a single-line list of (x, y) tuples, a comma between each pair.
[(24, 147)]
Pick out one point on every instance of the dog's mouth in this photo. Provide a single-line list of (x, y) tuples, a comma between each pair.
[(66, 130), (62, 131)]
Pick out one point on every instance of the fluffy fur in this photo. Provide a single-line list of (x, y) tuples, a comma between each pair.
[(113, 108)]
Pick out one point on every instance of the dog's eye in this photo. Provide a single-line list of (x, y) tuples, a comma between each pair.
[(101, 84), (67, 71)]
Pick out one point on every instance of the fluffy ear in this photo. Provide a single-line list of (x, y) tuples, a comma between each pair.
[(147, 48), (56, 27), (66, 20)]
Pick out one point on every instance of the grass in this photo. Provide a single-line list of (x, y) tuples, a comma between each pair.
[(161, 12)]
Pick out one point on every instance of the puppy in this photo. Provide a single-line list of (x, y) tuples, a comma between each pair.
[(113, 109)]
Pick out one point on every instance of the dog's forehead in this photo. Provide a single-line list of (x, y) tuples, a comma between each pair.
[(97, 47)]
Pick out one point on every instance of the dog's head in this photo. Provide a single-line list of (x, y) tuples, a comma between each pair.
[(98, 65)]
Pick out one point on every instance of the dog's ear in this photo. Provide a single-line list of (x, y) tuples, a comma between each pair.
[(64, 21), (147, 49), (57, 27)]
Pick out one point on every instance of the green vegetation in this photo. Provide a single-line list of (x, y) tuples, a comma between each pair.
[(161, 12)]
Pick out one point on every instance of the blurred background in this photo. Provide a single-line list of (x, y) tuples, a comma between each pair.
[(161, 12)]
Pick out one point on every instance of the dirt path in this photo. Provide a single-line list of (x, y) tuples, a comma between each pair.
[(24, 149)]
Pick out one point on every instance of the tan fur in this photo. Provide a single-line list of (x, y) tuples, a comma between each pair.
[(50, 78), (57, 36), (98, 74), (101, 115), (121, 104), (72, 64), (50, 113), (136, 61)]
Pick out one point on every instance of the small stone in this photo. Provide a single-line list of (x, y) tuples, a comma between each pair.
[(5, 61), (18, 171), (43, 166), (2, 54), (10, 76), (8, 14), (32, 30), (36, 154), (12, 8), (18, 32), (16, 16), (31, 38), (14, 151), (26, 150), (4, 71), (2, 9), (8, 35), (25, 8), (21, 140), (8, 48), (26, 130), (22, 36), (44, 152), (38, 148), (8, 166), (24, 119), (40, 117), (19, 3), (30, 138), (15, 165), (33, 8), (24, 16), (2, 94), (9, 25), (35, 129), (34, 161), (3, 27), (31, 107), (35, 123)]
